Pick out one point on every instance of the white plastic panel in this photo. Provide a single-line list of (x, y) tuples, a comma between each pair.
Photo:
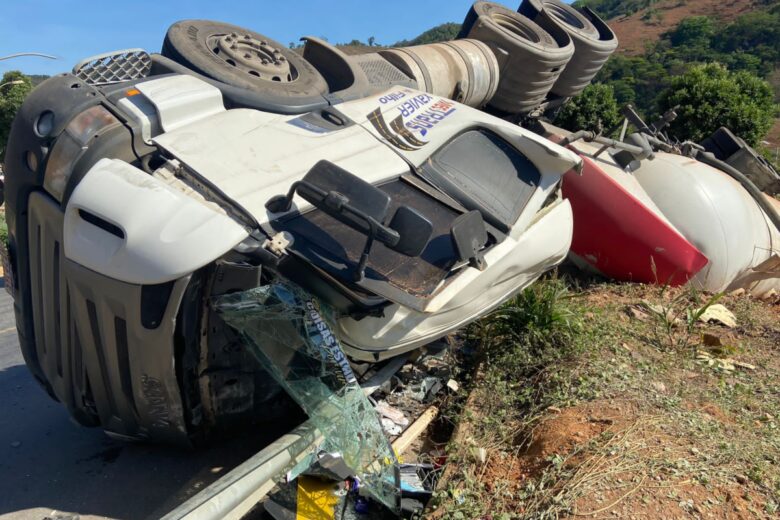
[(158, 234), (140, 110), (181, 100), (252, 156)]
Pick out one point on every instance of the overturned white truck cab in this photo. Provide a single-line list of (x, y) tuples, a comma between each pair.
[(131, 205)]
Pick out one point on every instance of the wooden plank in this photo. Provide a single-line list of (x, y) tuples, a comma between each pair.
[(402, 443)]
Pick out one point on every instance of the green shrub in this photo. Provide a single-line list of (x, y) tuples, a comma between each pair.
[(710, 96), (595, 109), (11, 97), (3, 229), (533, 330)]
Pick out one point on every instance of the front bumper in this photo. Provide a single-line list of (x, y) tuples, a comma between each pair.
[(91, 343)]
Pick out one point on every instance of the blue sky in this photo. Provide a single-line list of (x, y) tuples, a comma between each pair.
[(76, 29)]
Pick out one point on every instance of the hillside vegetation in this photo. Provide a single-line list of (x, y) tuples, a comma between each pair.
[(609, 9), (667, 54), (751, 43), (440, 33)]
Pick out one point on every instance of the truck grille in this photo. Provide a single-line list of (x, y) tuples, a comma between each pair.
[(91, 344)]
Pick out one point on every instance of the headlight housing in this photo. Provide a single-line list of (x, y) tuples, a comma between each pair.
[(71, 144)]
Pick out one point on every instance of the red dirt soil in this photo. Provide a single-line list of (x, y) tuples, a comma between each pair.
[(621, 496)]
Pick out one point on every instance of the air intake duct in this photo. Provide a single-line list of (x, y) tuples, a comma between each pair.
[(530, 58), (594, 42)]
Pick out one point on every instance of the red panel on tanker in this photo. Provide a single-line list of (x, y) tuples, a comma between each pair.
[(621, 237)]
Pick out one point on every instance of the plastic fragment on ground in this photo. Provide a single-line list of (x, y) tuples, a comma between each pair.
[(290, 333), (382, 379), (394, 414), (411, 481), (390, 427), (307, 498), (426, 389), (330, 466), (719, 314)]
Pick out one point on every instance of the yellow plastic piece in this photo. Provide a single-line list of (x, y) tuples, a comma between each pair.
[(317, 499)]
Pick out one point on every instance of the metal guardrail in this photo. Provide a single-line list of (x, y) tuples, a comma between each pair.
[(235, 494)]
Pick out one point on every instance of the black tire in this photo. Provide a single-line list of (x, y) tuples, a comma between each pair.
[(594, 42), (530, 58), (193, 43)]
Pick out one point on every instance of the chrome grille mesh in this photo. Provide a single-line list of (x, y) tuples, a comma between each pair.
[(114, 67)]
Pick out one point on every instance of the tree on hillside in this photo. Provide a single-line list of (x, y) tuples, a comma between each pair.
[(709, 96), (12, 95), (595, 109), (636, 80), (695, 31)]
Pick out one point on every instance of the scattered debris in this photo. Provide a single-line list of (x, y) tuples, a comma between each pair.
[(658, 387), (771, 296), (395, 415), (481, 455), (725, 364), (634, 312), (390, 427), (711, 340), (383, 377), (719, 314), (746, 366), (427, 389), (453, 386), (310, 497)]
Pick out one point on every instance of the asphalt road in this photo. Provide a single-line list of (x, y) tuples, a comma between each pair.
[(50, 465)]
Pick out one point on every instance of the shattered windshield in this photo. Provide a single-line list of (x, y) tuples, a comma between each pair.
[(290, 333)]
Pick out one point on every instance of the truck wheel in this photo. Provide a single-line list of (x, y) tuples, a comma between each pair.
[(243, 58), (530, 59), (594, 42)]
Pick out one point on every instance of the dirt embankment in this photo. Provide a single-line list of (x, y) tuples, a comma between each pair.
[(651, 417)]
